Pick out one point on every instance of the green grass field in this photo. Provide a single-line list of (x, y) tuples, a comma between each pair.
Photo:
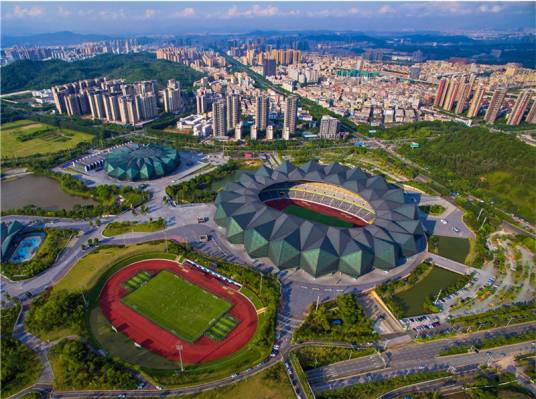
[(222, 328), (25, 138), (184, 309), (315, 216)]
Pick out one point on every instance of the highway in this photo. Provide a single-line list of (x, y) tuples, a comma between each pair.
[(414, 358)]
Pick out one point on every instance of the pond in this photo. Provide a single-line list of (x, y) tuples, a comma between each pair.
[(40, 191), (411, 301), (454, 248)]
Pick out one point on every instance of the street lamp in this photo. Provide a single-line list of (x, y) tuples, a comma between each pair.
[(179, 348)]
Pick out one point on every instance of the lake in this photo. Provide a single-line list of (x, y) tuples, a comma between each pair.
[(40, 191)]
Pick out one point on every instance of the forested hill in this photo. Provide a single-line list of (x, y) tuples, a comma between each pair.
[(29, 75), (494, 166)]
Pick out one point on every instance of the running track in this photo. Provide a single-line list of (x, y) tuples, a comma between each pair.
[(159, 340)]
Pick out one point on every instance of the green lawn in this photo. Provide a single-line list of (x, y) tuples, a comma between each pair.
[(315, 216), (25, 137), (184, 309), (117, 228)]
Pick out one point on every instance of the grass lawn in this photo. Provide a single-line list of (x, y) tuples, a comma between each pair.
[(117, 228), (87, 271), (269, 384), (411, 301), (315, 216), (453, 248), (184, 309), (24, 138)]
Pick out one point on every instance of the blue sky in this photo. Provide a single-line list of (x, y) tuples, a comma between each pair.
[(135, 18)]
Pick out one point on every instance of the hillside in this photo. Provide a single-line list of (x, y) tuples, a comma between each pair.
[(28, 75), (494, 166)]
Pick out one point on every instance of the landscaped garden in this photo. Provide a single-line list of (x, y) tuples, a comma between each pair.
[(339, 320)]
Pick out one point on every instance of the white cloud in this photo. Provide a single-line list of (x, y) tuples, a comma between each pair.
[(64, 12), (23, 12), (255, 11), (333, 12), (485, 8), (150, 13), (386, 9), (436, 8), (185, 13), (113, 15)]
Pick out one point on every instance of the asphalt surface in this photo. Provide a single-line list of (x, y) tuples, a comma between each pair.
[(413, 358)]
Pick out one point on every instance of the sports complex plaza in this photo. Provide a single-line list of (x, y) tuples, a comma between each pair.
[(322, 219)]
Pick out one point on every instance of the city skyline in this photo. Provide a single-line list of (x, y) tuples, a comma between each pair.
[(150, 18)]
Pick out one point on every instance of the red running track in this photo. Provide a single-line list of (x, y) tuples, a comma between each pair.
[(281, 204), (159, 340)]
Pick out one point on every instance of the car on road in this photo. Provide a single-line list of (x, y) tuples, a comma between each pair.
[(443, 221), (455, 229)]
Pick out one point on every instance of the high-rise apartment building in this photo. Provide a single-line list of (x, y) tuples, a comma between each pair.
[(219, 118), (329, 127), (72, 102), (270, 132), (111, 107), (495, 105), (476, 102), (464, 91), (290, 116), (147, 105), (128, 110), (96, 105), (269, 67), (531, 116), (238, 131), (172, 99), (440, 94), (519, 108), (451, 95), (262, 108), (253, 132), (233, 110)]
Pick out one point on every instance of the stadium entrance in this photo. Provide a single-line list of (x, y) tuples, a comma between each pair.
[(319, 202)]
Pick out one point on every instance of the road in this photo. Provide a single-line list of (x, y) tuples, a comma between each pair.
[(414, 358)]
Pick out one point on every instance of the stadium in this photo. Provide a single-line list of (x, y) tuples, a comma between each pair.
[(135, 162), (163, 305), (320, 218)]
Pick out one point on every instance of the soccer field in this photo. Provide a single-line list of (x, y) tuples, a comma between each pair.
[(184, 309), (315, 216)]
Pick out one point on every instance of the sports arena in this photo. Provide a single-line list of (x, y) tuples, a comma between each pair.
[(320, 218), (182, 311), (135, 162)]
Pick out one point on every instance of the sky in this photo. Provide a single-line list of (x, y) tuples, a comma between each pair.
[(147, 17)]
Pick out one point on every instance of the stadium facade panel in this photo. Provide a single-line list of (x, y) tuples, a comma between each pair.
[(390, 230), (141, 162)]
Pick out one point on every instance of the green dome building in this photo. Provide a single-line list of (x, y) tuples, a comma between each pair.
[(141, 162)]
